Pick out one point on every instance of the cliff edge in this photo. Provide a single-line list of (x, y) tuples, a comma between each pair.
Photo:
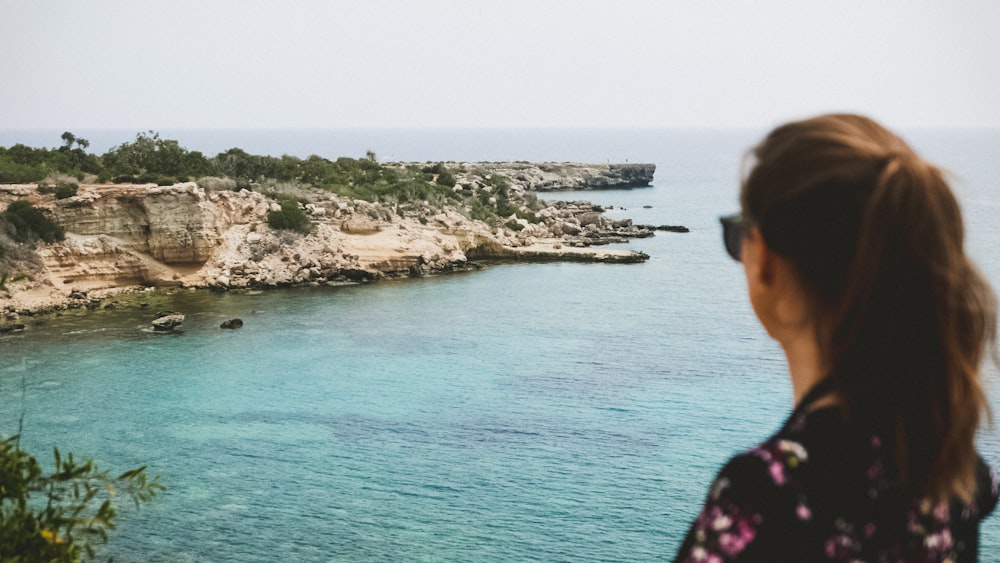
[(124, 236)]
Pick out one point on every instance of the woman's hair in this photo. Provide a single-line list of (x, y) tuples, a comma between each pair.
[(876, 236)]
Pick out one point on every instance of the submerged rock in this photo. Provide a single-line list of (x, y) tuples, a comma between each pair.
[(232, 323)]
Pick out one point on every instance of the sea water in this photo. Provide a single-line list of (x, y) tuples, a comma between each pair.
[(557, 412)]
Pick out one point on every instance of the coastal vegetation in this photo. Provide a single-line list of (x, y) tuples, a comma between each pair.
[(150, 158), (206, 218), (290, 217), (411, 191), (23, 222), (61, 515)]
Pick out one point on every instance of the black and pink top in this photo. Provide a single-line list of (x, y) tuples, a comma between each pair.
[(817, 491)]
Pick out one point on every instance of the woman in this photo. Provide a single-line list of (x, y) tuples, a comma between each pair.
[(853, 252)]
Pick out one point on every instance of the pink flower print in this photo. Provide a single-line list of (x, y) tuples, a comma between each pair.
[(840, 548), (730, 544), (869, 530), (720, 485), (777, 472), (874, 472), (733, 543), (940, 543), (793, 449), (702, 555), (780, 456), (746, 531), (803, 512), (721, 522), (941, 512)]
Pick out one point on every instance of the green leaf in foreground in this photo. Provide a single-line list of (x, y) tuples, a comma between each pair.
[(62, 515)]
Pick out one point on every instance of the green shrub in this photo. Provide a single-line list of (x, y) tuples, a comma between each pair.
[(527, 216), (65, 190), (481, 211), (290, 217), (445, 178), (26, 223), (513, 225), (499, 183)]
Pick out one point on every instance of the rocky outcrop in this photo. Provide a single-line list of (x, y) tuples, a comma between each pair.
[(122, 236), (176, 225), (564, 176), (167, 320)]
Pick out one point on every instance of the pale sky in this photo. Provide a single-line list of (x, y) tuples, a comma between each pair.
[(138, 64)]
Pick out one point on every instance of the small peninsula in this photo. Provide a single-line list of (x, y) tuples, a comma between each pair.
[(246, 230)]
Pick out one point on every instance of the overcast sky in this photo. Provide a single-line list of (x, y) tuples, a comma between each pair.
[(140, 65)]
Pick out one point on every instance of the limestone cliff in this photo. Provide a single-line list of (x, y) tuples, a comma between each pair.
[(144, 235)]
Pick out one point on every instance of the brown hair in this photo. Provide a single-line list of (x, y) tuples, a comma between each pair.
[(876, 235)]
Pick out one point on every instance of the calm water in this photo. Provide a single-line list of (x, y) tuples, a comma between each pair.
[(562, 412)]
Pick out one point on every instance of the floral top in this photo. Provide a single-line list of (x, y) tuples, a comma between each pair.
[(815, 492)]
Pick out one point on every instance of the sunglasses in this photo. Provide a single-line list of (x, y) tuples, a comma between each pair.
[(734, 230)]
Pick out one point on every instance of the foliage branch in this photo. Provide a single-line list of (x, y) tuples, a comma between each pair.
[(62, 515)]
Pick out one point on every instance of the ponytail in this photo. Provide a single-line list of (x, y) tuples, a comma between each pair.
[(876, 236)]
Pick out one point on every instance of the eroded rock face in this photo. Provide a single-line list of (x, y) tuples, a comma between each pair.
[(84, 261), (177, 225)]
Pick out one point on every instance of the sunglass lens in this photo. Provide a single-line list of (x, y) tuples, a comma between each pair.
[(732, 235)]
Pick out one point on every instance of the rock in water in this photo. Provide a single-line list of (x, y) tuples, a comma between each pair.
[(232, 323), (167, 321)]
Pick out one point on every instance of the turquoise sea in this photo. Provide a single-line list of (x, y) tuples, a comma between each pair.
[(552, 412)]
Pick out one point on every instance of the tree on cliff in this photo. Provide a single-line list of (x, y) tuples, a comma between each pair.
[(149, 157), (76, 159), (70, 139), (21, 163)]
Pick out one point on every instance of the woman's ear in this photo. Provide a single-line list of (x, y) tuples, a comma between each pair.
[(775, 292), (758, 259)]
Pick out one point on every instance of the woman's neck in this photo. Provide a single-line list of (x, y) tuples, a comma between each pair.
[(806, 367)]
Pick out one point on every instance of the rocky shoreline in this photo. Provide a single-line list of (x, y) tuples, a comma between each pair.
[(565, 176), (124, 237)]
